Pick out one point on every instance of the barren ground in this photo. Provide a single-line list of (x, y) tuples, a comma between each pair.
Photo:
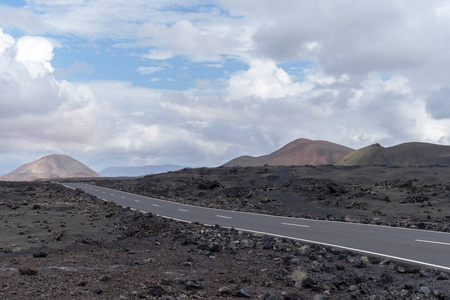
[(56, 243)]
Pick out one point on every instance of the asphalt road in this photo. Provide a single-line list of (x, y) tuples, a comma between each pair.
[(414, 246)]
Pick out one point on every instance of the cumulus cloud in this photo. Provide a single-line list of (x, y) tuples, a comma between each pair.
[(27, 85), (38, 112), (263, 79), (35, 53), (378, 75)]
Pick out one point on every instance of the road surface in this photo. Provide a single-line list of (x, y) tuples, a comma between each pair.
[(422, 247)]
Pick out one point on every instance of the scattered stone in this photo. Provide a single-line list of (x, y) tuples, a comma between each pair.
[(28, 271), (40, 254), (359, 263), (263, 262), (427, 272), (58, 236), (104, 278), (443, 276), (157, 290), (295, 297), (400, 269), (320, 297), (244, 293), (304, 250), (193, 285), (425, 290), (309, 283), (12, 205), (386, 278), (270, 296), (98, 291), (225, 291)]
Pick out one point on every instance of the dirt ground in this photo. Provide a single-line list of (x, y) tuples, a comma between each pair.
[(56, 243)]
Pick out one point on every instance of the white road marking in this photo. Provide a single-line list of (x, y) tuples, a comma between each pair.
[(180, 209), (123, 197), (327, 244), (433, 242), (112, 194), (225, 217), (298, 225), (180, 220), (157, 205), (137, 200), (348, 248)]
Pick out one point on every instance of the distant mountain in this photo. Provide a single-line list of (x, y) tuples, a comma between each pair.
[(51, 166), (299, 152), (139, 171), (403, 155)]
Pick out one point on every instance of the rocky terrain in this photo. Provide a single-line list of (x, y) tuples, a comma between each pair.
[(57, 243), (414, 197)]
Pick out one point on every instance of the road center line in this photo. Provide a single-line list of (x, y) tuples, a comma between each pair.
[(123, 197), (225, 217), (180, 209), (298, 225), (157, 205), (433, 242), (137, 200)]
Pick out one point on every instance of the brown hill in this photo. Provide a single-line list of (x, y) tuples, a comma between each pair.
[(299, 152), (403, 155), (52, 166)]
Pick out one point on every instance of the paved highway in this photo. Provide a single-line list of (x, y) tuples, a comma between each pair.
[(413, 246)]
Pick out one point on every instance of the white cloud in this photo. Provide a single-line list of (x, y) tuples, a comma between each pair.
[(149, 70), (35, 53), (6, 41), (22, 18), (201, 43), (343, 97), (263, 79), (40, 114)]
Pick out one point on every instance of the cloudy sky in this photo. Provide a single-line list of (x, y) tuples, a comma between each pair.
[(198, 82)]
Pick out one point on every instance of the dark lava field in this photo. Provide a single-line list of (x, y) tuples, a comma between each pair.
[(57, 243)]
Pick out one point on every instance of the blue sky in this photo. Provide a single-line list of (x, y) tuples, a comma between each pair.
[(200, 82)]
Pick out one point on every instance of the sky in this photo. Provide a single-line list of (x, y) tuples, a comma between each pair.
[(199, 82)]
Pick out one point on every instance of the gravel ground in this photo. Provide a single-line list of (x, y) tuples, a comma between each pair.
[(57, 243)]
